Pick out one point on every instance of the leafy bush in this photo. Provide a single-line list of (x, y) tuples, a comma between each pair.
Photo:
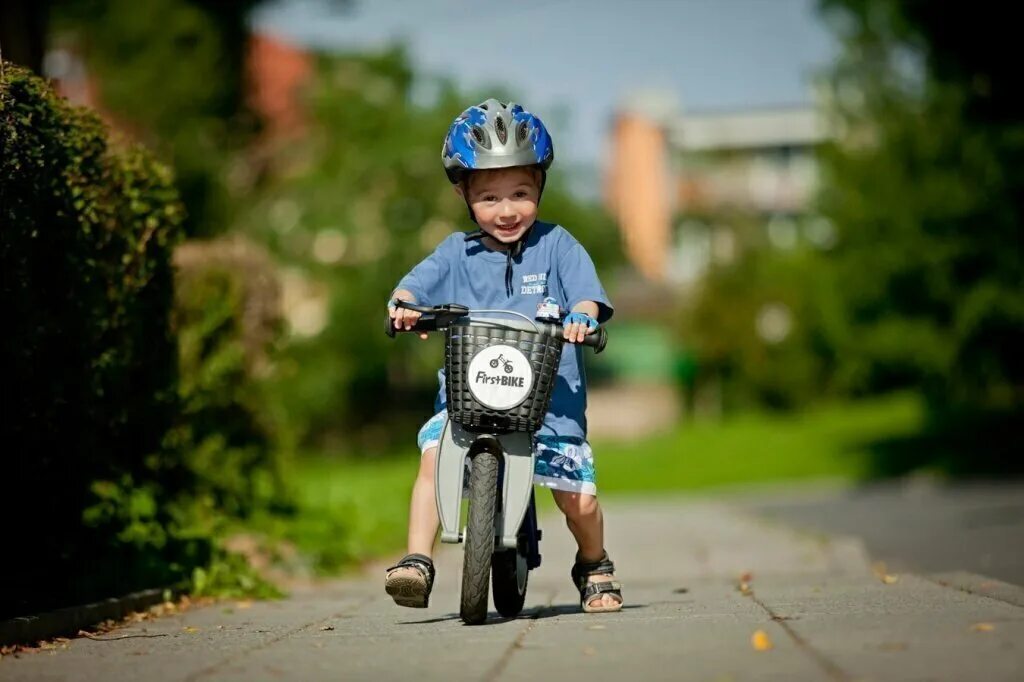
[(127, 449), (227, 317), (88, 355)]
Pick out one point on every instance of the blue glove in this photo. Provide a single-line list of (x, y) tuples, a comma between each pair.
[(581, 318)]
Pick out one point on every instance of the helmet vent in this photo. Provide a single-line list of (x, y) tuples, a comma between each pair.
[(481, 137), (483, 106), (499, 127), (522, 132)]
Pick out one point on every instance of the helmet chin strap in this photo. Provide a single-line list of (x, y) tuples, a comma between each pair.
[(512, 252)]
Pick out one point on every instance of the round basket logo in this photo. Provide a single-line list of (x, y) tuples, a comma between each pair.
[(500, 377)]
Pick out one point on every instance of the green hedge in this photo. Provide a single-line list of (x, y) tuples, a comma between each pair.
[(89, 360), (134, 424)]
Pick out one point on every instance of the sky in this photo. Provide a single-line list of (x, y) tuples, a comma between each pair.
[(575, 62)]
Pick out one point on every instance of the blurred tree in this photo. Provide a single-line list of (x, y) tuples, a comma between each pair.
[(172, 73), (351, 208), (926, 187), (761, 333)]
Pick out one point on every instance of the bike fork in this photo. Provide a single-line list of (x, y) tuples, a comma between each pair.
[(516, 488)]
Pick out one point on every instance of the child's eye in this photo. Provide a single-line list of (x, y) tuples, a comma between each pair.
[(490, 198), (520, 194)]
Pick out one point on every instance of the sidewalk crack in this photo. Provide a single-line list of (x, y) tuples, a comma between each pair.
[(503, 661), (831, 669), (205, 672)]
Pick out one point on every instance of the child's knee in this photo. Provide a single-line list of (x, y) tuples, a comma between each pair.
[(576, 506)]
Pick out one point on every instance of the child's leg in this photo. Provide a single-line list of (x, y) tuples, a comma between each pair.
[(585, 520), (423, 520), (409, 581)]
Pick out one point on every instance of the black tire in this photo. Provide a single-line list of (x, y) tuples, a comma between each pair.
[(479, 541), (494, 363), (508, 368), (506, 569)]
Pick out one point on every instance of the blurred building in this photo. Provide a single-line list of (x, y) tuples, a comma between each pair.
[(692, 189), (690, 192), (275, 70)]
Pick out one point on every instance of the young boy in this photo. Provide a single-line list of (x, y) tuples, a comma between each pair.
[(497, 157)]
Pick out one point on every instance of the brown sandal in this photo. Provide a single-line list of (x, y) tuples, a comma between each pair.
[(582, 570), (411, 590)]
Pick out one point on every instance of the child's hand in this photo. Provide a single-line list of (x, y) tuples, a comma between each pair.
[(404, 318), (576, 326)]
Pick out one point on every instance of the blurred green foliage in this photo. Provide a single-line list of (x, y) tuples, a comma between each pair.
[(926, 187), (172, 72), (227, 319), (726, 328)]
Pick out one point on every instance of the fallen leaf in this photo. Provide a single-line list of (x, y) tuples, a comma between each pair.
[(190, 630), (681, 590), (244, 604), (893, 646), (983, 627), (744, 583), (760, 641), (596, 627), (589, 651), (327, 627), (879, 569)]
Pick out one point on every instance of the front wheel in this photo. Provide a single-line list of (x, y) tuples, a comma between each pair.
[(479, 545)]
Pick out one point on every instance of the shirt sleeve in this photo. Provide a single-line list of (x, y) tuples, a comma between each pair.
[(578, 277), (426, 281)]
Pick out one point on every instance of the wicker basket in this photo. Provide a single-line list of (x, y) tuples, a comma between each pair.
[(464, 341)]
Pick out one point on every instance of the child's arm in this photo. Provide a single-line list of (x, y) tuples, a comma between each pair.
[(588, 302), (423, 283)]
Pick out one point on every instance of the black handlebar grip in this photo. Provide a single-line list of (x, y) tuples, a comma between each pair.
[(427, 323), (598, 340)]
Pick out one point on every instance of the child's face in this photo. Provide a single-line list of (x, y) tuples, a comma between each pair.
[(504, 201)]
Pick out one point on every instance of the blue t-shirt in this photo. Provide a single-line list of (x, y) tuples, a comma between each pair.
[(551, 263)]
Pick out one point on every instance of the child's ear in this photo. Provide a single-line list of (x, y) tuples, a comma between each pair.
[(458, 190)]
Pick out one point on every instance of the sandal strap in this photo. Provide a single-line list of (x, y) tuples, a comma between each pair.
[(612, 587), (420, 562), (584, 569)]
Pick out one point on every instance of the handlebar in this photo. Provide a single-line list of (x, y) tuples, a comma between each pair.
[(435, 318)]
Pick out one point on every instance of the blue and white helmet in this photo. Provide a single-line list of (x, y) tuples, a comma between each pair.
[(493, 134)]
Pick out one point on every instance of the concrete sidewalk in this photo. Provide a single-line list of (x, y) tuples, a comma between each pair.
[(825, 613)]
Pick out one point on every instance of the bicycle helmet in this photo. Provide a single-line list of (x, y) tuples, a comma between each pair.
[(494, 134)]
